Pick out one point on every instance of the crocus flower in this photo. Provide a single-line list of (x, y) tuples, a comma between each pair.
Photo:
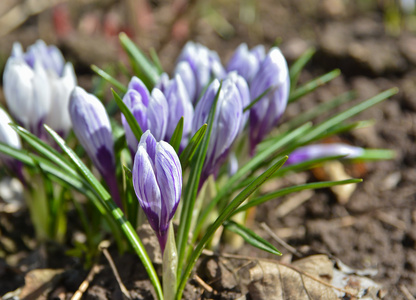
[(246, 62), (157, 181), (323, 150), (93, 130), (183, 69), (180, 105), (205, 64), (12, 139), (150, 111), (37, 86), (226, 124), (264, 115)]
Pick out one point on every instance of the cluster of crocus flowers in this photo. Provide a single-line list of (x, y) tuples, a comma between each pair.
[(37, 85)]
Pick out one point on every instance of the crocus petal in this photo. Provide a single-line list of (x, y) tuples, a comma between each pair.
[(138, 85), (183, 69), (61, 88), (157, 114)]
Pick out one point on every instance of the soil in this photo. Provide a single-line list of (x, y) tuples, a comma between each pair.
[(375, 229)]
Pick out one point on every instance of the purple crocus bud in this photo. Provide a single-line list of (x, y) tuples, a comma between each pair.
[(163, 82), (44, 82), (150, 111), (12, 139), (205, 64), (246, 62), (180, 105), (183, 69), (157, 181), (323, 150), (226, 124), (27, 92), (93, 130), (264, 115)]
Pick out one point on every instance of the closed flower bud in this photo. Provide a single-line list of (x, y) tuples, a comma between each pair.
[(226, 124), (246, 62), (180, 106), (205, 65), (264, 115), (150, 111), (93, 130), (183, 69), (323, 150), (157, 181), (37, 87)]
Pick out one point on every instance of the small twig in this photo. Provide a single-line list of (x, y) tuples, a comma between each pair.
[(205, 285), (406, 292), (280, 241), (103, 247), (86, 283), (390, 220)]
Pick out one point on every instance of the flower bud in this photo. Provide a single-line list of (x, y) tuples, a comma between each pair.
[(180, 106), (205, 64), (226, 124), (93, 130), (150, 111), (246, 62), (323, 150), (183, 69), (264, 115), (157, 181), (37, 86)]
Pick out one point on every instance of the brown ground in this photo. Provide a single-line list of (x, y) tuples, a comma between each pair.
[(377, 227)]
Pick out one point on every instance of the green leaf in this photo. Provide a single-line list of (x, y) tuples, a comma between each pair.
[(131, 120), (19, 154), (144, 69), (347, 114), (117, 84), (376, 154), (156, 60), (251, 237), (44, 149), (176, 138), (190, 149), (313, 85), (251, 166), (116, 212), (252, 103), (293, 189), (317, 111), (191, 188), (299, 64), (224, 215)]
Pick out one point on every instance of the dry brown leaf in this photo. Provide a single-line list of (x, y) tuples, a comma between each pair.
[(38, 282), (273, 281)]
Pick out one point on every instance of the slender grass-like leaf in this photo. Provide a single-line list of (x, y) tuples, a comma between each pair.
[(250, 166), (376, 154), (116, 212), (347, 114), (251, 237), (44, 149), (293, 189), (252, 103), (175, 140), (193, 144), (19, 154), (298, 66), (317, 110), (103, 74), (131, 120), (313, 85), (156, 60), (145, 70), (191, 188), (224, 215)]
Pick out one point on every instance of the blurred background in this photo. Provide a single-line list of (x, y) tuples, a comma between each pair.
[(372, 42)]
